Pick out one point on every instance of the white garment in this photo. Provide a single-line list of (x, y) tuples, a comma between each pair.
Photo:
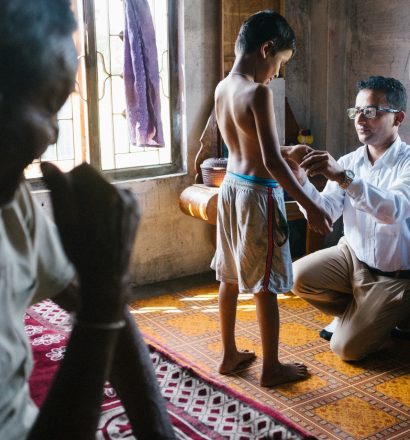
[(33, 267), (375, 206)]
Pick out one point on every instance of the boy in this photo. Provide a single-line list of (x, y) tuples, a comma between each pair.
[(97, 225), (252, 253)]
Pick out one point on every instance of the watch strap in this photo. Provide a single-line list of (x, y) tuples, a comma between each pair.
[(348, 176)]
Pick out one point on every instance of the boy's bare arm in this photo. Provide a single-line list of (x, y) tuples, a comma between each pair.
[(264, 116)]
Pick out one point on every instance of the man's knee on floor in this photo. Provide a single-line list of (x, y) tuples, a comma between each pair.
[(301, 275), (348, 350)]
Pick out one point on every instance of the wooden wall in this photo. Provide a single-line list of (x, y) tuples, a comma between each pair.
[(234, 12), (338, 43), (379, 45)]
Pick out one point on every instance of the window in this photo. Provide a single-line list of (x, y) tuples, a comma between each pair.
[(92, 123)]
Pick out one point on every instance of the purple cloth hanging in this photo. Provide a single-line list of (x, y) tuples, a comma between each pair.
[(141, 76)]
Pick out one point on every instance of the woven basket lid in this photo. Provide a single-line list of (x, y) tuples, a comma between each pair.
[(215, 163)]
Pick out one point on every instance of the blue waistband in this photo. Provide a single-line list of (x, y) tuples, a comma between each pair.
[(270, 183)]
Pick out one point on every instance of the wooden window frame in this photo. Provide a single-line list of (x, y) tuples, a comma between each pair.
[(175, 36)]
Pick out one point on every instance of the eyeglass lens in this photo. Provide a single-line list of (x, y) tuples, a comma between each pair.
[(368, 112)]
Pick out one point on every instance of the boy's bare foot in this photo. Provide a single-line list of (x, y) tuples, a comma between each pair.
[(240, 359), (284, 373)]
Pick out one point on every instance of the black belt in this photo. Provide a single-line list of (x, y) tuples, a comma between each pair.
[(394, 274)]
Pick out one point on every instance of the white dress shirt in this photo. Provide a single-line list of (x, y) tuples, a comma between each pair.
[(375, 206), (33, 266)]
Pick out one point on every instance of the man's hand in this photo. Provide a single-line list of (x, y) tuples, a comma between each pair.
[(296, 152), (297, 171), (321, 162), (97, 225)]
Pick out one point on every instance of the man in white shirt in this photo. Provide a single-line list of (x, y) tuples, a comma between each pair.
[(365, 279)]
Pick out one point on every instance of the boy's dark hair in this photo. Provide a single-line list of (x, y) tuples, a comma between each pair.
[(265, 26), (29, 30), (394, 90)]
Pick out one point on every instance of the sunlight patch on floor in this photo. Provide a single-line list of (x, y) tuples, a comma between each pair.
[(245, 296), (211, 310), (202, 297), (157, 309), (247, 308)]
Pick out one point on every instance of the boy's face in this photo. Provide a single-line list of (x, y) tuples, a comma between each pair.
[(28, 125), (274, 64)]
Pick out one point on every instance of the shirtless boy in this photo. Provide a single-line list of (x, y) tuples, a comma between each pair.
[(253, 253)]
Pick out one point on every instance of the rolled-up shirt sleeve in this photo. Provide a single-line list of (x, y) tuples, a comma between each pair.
[(387, 205), (331, 199)]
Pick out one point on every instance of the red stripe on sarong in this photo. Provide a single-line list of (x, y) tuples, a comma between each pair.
[(270, 242)]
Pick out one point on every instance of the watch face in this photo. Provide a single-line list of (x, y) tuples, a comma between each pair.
[(349, 174), (348, 178)]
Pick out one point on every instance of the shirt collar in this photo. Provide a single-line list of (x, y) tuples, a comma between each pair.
[(13, 201), (389, 157)]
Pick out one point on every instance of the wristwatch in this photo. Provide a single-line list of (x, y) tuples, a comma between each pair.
[(348, 176)]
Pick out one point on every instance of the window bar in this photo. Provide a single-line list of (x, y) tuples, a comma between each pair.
[(176, 82), (114, 151), (80, 87), (164, 92), (92, 82)]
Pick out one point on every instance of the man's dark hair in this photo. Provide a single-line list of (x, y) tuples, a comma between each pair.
[(28, 31), (394, 90), (265, 26)]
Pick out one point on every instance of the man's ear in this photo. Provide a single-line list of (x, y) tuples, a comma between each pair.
[(399, 118)]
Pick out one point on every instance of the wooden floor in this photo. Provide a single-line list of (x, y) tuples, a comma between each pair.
[(363, 400)]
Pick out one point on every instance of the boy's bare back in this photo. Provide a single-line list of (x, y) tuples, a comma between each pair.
[(244, 109)]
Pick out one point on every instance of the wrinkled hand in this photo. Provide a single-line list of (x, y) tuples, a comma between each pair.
[(297, 152), (97, 224), (297, 171), (319, 221), (321, 162)]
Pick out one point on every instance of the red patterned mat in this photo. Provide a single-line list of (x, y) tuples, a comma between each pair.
[(199, 408)]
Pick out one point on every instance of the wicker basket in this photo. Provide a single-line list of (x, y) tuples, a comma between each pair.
[(214, 170)]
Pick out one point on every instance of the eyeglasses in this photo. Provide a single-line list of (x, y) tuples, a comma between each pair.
[(369, 112)]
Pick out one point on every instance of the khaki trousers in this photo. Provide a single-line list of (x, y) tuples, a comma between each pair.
[(334, 281)]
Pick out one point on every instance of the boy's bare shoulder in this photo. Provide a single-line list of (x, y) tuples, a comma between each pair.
[(254, 90), (223, 86), (262, 94)]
